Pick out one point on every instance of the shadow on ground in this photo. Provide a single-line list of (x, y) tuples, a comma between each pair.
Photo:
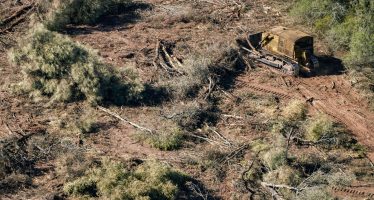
[(329, 65)]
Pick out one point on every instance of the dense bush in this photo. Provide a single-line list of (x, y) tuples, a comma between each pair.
[(347, 26), (112, 180), (62, 13), (56, 67)]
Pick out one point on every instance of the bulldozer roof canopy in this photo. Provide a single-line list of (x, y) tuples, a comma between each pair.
[(290, 34)]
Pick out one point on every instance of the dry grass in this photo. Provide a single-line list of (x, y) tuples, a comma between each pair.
[(150, 180), (341, 178), (313, 193), (72, 165), (14, 182)]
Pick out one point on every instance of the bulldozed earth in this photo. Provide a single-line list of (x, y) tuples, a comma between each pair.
[(243, 103)]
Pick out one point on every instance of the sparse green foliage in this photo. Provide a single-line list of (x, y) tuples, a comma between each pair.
[(194, 115), (87, 122), (112, 180), (318, 127), (295, 110), (275, 158), (72, 165), (56, 67), (167, 137), (341, 178), (283, 175), (259, 145)]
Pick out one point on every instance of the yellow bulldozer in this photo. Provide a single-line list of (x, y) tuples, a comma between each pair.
[(288, 50)]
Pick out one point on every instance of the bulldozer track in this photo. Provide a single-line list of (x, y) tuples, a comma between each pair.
[(266, 90), (352, 191)]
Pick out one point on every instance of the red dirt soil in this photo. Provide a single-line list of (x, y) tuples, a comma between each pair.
[(133, 44)]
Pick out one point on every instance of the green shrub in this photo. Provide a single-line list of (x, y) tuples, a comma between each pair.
[(196, 75), (318, 127), (312, 11), (166, 141), (259, 145), (295, 111), (339, 36), (362, 42), (62, 13), (87, 123), (167, 137), (150, 180), (56, 67)]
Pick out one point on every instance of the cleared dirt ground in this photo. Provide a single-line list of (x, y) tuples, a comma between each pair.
[(130, 40)]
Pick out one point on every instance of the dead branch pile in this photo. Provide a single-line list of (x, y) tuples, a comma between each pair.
[(167, 61)]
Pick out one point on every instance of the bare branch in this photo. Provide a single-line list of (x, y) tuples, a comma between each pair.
[(157, 54), (125, 120), (272, 185), (170, 60), (226, 141), (273, 192), (232, 116), (210, 87), (288, 141)]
